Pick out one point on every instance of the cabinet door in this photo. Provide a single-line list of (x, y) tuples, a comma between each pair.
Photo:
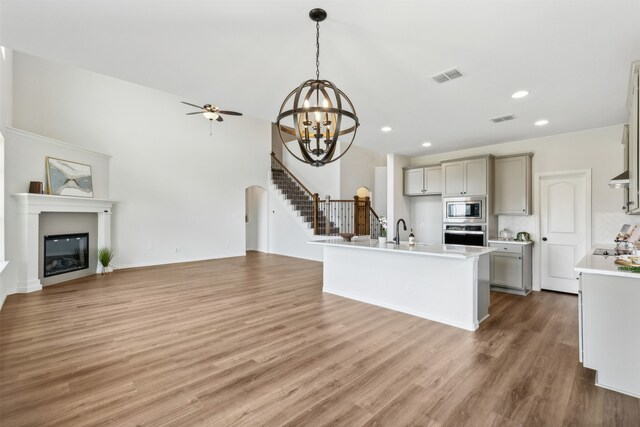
[(453, 174), (433, 180), (475, 175), (414, 182), (506, 270), (512, 186)]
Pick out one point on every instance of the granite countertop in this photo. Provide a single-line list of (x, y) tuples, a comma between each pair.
[(511, 241), (438, 250)]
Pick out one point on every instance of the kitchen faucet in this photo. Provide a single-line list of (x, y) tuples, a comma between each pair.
[(396, 239)]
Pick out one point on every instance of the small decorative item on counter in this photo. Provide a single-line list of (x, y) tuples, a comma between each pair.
[(383, 228), (412, 238), (523, 236), (347, 236), (505, 234)]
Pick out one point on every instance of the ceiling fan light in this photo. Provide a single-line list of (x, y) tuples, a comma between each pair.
[(210, 115)]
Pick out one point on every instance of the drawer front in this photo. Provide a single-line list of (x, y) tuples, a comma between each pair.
[(507, 247)]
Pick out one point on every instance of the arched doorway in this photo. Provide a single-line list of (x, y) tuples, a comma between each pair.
[(255, 218)]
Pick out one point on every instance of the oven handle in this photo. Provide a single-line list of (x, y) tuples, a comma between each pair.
[(462, 232)]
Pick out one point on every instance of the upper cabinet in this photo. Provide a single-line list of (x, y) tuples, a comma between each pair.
[(512, 195), (423, 181), (468, 177), (634, 141)]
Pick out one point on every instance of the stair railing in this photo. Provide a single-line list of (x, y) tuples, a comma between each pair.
[(332, 217), (277, 165)]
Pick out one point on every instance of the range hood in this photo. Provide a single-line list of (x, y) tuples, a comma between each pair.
[(620, 181)]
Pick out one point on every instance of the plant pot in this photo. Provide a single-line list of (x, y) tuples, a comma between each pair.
[(106, 270), (382, 240)]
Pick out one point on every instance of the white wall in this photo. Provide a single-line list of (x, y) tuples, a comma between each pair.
[(357, 169), (286, 233), (180, 193), (257, 227), (398, 206), (380, 191), (324, 180), (6, 119)]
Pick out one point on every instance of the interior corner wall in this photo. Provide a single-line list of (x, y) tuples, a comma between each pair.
[(357, 169), (179, 192), (6, 119), (398, 206)]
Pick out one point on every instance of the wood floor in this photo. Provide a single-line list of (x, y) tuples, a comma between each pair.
[(254, 341)]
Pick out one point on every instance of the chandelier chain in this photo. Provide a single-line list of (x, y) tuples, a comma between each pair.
[(317, 51)]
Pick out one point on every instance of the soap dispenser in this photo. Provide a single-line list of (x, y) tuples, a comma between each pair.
[(412, 238)]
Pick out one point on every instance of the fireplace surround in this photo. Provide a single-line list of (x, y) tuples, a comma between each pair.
[(30, 206)]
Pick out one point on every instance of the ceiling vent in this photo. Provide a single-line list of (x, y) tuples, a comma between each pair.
[(503, 118), (445, 76)]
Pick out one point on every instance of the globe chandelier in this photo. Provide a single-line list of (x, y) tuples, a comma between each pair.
[(317, 114)]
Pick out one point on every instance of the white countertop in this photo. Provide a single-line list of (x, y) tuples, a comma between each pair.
[(598, 264), (511, 241), (448, 251)]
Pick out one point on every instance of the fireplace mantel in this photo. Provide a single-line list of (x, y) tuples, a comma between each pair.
[(30, 206)]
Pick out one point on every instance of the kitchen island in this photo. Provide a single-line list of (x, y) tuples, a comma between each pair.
[(609, 323), (444, 283)]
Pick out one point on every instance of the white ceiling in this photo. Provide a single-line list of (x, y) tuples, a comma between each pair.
[(573, 57)]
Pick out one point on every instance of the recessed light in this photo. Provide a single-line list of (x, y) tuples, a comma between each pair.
[(520, 94), (426, 144), (385, 129), (542, 122)]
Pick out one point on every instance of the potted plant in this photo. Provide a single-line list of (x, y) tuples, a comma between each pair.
[(382, 236), (105, 256)]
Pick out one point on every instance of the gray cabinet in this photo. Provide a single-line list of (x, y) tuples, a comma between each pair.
[(423, 180), (511, 267), (512, 192), (466, 177)]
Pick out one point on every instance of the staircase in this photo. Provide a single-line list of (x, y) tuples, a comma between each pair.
[(301, 201), (325, 217)]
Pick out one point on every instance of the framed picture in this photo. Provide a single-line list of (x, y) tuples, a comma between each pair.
[(66, 178)]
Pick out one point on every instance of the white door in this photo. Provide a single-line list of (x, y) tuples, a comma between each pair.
[(564, 211)]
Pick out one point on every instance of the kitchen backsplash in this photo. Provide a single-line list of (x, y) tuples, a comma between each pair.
[(605, 225)]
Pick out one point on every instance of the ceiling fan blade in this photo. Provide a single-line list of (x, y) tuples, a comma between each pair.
[(195, 112), (219, 119), (231, 113), (193, 105)]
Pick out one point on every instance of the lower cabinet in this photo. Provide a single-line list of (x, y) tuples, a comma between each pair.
[(511, 267)]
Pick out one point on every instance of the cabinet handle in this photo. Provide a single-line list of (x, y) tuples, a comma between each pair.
[(523, 210), (519, 257)]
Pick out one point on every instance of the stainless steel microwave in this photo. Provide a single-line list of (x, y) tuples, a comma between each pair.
[(464, 210)]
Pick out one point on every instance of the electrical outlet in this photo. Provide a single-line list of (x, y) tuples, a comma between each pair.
[(177, 250), (409, 287)]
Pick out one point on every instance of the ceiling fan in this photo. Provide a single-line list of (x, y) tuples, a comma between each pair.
[(211, 112)]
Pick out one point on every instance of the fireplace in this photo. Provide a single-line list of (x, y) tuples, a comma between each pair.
[(65, 253)]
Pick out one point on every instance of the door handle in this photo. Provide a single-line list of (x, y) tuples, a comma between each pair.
[(544, 239)]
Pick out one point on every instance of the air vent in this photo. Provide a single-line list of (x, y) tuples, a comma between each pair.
[(503, 118), (445, 76)]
